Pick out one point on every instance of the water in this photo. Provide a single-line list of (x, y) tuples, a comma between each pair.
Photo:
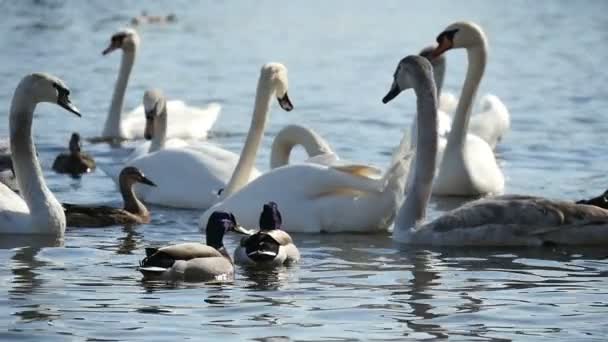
[(546, 63)]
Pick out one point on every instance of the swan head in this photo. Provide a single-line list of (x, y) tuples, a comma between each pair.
[(75, 144), (48, 88), (275, 74), (270, 218), (154, 105), (463, 34), (131, 175), (126, 39), (410, 71)]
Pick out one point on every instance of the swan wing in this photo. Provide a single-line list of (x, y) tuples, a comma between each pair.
[(492, 122), (358, 170)]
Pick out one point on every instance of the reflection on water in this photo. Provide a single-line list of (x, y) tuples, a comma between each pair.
[(340, 59)]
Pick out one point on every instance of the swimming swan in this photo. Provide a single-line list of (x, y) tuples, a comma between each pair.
[(38, 212), (271, 246), (185, 121), (75, 162), (468, 166), (501, 221), (323, 198), (191, 179), (192, 261), (490, 124), (134, 212), (155, 131)]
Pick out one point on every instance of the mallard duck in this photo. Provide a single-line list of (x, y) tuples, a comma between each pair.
[(271, 246), (134, 212), (193, 261), (75, 162), (599, 201)]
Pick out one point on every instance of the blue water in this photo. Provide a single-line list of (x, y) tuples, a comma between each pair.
[(546, 63)]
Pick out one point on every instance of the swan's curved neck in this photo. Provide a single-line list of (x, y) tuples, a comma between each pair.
[(413, 210), (291, 136), (131, 203), (112, 126), (476, 56), (160, 131), (246, 163), (45, 211), (439, 75)]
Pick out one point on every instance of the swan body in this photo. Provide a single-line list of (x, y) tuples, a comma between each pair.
[(133, 213), (193, 261), (38, 212), (185, 121), (198, 176), (75, 162), (318, 198), (270, 246), (468, 166), (510, 220)]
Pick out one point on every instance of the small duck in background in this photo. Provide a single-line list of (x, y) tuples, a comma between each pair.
[(599, 201), (75, 162), (145, 18), (133, 213), (270, 246), (193, 261)]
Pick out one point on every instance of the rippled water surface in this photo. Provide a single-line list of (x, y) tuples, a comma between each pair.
[(547, 63)]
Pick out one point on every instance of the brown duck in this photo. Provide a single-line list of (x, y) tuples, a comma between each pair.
[(133, 213), (75, 162)]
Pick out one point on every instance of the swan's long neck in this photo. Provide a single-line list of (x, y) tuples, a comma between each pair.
[(413, 210), (112, 126), (477, 56), (439, 75), (242, 172), (131, 203), (291, 136), (160, 131), (45, 211)]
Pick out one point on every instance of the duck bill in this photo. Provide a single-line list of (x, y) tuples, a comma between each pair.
[(147, 181), (285, 102), (239, 229), (67, 105), (444, 45), (391, 93)]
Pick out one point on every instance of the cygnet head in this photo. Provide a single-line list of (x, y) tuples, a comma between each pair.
[(276, 75), (270, 218), (463, 34), (410, 71), (427, 53), (48, 88), (154, 104), (126, 39), (75, 143), (131, 175)]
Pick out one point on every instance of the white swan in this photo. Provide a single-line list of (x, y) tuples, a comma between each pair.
[(38, 212), (185, 121), (316, 197), (468, 166), (491, 123), (191, 179), (502, 220), (155, 109), (318, 149)]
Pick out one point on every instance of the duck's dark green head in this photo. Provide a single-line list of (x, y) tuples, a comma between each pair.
[(219, 223), (270, 217)]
